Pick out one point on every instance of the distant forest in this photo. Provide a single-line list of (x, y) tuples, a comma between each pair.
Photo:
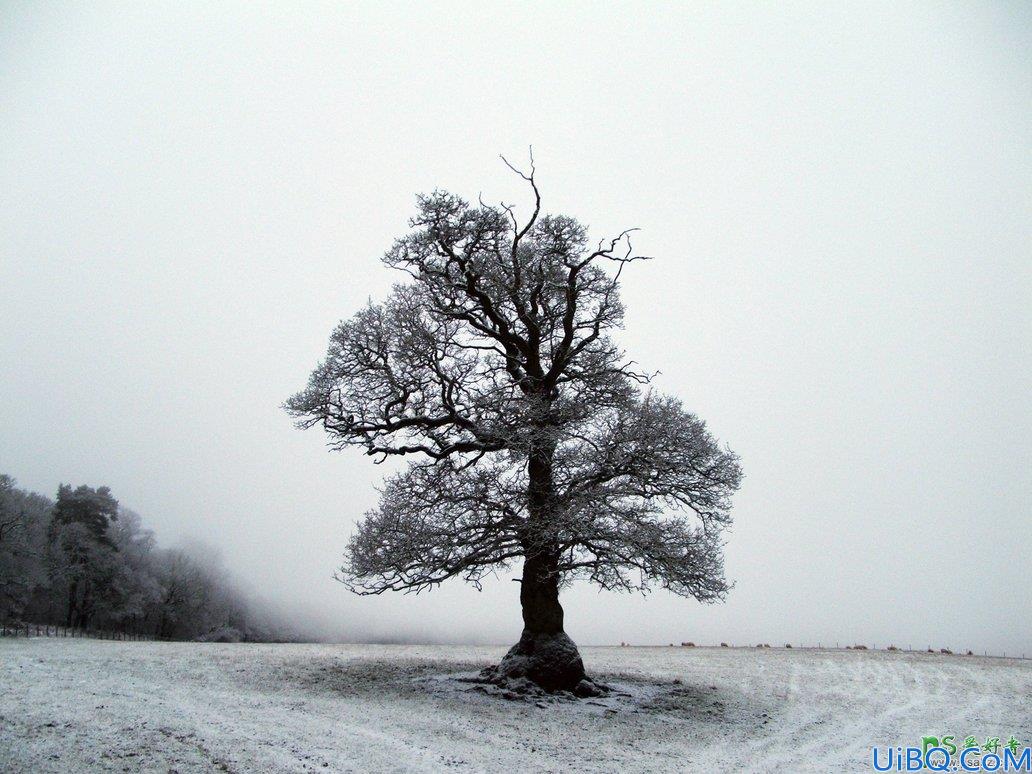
[(84, 561)]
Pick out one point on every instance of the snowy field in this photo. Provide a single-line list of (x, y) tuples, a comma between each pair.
[(77, 705)]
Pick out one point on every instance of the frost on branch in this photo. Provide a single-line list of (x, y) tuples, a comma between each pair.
[(643, 492)]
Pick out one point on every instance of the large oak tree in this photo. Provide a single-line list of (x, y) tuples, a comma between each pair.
[(531, 436)]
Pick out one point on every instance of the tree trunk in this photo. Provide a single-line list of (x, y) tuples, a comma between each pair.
[(539, 595), (73, 590), (544, 654)]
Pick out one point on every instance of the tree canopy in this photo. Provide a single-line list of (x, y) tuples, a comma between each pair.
[(493, 366)]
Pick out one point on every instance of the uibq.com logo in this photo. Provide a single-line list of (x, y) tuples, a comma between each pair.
[(947, 753)]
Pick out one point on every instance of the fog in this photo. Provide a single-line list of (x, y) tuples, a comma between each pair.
[(838, 203)]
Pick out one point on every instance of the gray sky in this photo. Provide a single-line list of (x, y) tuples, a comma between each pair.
[(839, 201)]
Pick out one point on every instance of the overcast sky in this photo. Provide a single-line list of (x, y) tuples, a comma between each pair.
[(838, 199)]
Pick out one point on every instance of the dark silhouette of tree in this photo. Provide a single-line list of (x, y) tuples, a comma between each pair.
[(81, 555), (94, 509), (23, 539), (532, 437)]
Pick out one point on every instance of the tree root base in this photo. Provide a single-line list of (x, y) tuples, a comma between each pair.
[(543, 663), (522, 688)]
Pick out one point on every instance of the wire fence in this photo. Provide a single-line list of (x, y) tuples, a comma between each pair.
[(44, 630)]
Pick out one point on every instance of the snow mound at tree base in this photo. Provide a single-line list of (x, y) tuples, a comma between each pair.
[(524, 688), (550, 662)]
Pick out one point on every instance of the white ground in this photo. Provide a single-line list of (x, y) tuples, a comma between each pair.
[(76, 705)]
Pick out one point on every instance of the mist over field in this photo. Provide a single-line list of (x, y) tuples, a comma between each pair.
[(836, 198)]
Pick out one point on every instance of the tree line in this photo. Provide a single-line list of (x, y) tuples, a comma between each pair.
[(84, 561)]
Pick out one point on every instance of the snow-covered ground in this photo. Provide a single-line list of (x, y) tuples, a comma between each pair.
[(76, 705)]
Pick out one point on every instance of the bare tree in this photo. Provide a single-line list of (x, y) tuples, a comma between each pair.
[(532, 437)]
